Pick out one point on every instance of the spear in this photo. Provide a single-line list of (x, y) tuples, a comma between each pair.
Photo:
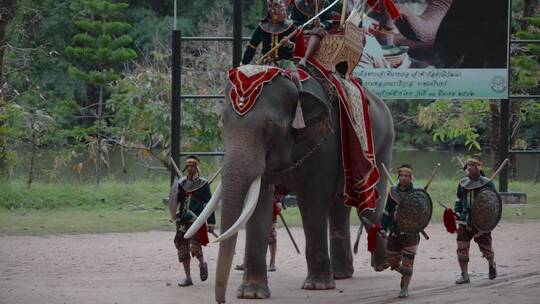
[(359, 233), (289, 232)]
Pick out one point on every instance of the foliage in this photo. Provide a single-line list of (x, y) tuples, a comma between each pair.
[(456, 119), (100, 46), (526, 62)]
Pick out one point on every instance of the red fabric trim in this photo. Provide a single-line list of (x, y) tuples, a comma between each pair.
[(246, 89), (359, 166), (373, 4), (303, 75), (275, 209), (392, 9), (372, 237), (300, 45)]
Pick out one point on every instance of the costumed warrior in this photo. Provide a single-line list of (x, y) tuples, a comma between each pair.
[(270, 31), (272, 241), (401, 247), (301, 12), (187, 200), (467, 190)]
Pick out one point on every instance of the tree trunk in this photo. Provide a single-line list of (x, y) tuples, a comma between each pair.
[(537, 172), (528, 11), (32, 158), (515, 109), (7, 13), (494, 140)]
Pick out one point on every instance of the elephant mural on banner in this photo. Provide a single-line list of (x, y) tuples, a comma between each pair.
[(263, 150)]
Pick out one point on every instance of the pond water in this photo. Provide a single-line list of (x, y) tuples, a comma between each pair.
[(151, 169)]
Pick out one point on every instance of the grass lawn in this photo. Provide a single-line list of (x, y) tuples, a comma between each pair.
[(134, 207)]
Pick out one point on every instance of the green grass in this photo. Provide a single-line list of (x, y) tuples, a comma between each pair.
[(132, 207)]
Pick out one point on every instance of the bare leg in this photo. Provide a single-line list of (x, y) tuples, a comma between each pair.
[(273, 249), (187, 269), (405, 281), (313, 44), (187, 280), (464, 273)]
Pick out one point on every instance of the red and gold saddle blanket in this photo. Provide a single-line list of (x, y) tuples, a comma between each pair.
[(358, 153), (247, 82)]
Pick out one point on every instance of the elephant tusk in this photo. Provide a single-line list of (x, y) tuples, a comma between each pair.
[(210, 207), (249, 206)]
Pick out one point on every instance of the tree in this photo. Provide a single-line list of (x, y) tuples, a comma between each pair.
[(100, 47)]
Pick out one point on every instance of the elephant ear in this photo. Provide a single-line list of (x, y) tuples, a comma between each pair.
[(316, 113)]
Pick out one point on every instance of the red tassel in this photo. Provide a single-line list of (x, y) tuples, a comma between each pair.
[(392, 9), (203, 235), (372, 237), (449, 219)]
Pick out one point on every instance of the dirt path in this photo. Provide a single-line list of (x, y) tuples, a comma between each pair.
[(143, 268)]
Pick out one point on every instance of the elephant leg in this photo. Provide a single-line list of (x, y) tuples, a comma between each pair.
[(255, 281), (340, 241), (314, 208), (378, 259)]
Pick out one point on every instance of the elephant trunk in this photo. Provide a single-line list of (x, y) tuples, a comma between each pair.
[(243, 165), (424, 27)]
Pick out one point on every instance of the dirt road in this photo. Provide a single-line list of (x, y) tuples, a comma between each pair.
[(143, 268)]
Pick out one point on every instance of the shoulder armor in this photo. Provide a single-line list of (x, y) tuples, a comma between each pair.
[(470, 184), (269, 27)]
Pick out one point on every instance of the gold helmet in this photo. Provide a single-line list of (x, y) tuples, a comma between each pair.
[(277, 10)]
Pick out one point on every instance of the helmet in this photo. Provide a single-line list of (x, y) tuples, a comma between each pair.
[(277, 10)]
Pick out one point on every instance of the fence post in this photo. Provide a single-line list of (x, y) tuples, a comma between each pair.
[(176, 90), (237, 33)]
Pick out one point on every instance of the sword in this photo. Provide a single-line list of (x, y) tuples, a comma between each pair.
[(295, 31), (460, 161), (366, 222), (505, 161), (387, 174), (178, 173), (445, 207), (432, 176), (195, 216), (289, 232), (215, 175)]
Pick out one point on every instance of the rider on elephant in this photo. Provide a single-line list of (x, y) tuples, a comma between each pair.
[(270, 31), (302, 11), (467, 190), (401, 247), (188, 198)]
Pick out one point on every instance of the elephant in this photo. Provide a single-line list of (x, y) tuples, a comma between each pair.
[(263, 150)]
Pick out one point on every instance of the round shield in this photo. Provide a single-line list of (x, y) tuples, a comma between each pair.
[(486, 210), (414, 211)]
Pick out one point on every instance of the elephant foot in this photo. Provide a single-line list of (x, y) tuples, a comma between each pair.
[(253, 291), (343, 274), (319, 283)]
